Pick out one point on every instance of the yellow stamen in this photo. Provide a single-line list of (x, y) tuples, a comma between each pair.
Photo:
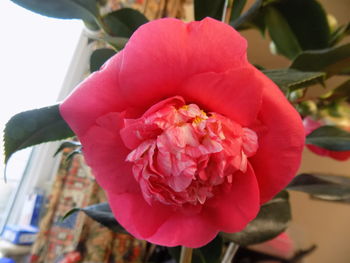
[(197, 120), (184, 107)]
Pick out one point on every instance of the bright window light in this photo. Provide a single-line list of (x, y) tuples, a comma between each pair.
[(35, 52)]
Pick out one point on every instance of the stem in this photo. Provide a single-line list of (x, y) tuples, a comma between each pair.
[(230, 253), (224, 11), (149, 252), (226, 14), (186, 255)]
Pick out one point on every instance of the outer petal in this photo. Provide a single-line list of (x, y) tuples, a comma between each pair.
[(186, 230), (170, 50), (95, 96), (235, 94), (229, 212), (281, 141), (234, 209), (105, 152), (138, 217)]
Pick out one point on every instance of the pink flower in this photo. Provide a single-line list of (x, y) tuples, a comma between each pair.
[(186, 137), (311, 125), (281, 246)]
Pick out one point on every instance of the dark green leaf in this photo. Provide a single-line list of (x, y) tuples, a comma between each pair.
[(86, 10), (332, 61), (322, 186), (117, 42), (175, 252), (281, 33), (69, 213), (34, 127), (258, 22), (333, 108), (245, 20), (254, 17), (69, 158), (67, 144), (272, 220), (101, 213), (342, 91), (237, 8), (308, 22), (209, 253), (99, 57), (305, 108), (123, 22), (339, 34), (331, 199), (300, 254), (212, 8), (290, 79), (73, 153), (330, 138)]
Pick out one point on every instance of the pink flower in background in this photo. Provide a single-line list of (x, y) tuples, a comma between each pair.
[(281, 246), (311, 125), (186, 137)]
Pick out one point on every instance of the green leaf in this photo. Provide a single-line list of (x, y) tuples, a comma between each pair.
[(67, 144), (332, 60), (342, 91), (123, 22), (330, 137), (73, 153), (333, 108), (86, 10), (212, 8), (99, 57), (322, 186), (281, 33), (237, 8), (272, 220), (101, 213), (34, 127), (308, 22), (209, 253), (254, 17), (339, 34), (175, 252), (117, 42), (291, 79), (245, 20)]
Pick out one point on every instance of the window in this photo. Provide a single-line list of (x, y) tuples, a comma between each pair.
[(36, 54)]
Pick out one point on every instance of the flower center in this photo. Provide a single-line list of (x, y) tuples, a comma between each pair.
[(180, 154)]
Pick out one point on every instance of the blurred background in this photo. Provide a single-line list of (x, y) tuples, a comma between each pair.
[(36, 69), (314, 222)]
